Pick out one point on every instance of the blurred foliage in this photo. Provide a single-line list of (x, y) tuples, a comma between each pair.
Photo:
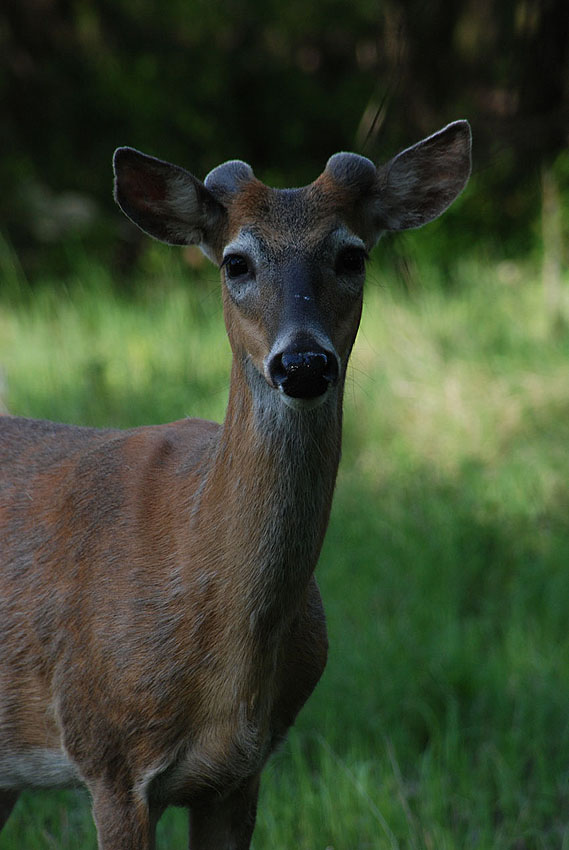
[(280, 85)]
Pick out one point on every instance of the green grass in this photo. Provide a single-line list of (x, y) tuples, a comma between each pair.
[(442, 721)]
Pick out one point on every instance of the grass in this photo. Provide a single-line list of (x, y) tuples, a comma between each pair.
[(442, 720)]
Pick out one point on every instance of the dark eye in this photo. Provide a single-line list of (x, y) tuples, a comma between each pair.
[(351, 261), (236, 266)]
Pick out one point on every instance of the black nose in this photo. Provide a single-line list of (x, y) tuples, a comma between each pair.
[(303, 374)]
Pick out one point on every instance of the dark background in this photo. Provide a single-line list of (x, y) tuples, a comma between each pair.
[(281, 85)]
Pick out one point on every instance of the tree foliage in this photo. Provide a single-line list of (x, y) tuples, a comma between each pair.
[(280, 85)]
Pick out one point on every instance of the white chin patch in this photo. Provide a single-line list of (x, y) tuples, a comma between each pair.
[(303, 403)]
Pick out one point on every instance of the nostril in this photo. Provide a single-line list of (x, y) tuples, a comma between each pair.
[(304, 374), (277, 370)]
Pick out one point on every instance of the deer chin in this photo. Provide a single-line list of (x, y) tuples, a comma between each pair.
[(302, 404)]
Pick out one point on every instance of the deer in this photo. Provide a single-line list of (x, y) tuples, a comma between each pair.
[(160, 623)]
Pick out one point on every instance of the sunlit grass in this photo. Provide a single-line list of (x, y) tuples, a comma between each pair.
[(91, 356), (442, 720)]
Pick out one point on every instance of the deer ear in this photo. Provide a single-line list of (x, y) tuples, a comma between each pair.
[(419, 184), (166, 201)]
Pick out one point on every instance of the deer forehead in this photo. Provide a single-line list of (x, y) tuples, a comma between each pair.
[(309, 219)]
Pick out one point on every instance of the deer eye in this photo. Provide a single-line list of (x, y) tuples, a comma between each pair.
[(235, 266), (351, 261)]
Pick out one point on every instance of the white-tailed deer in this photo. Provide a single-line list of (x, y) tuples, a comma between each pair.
[(160, 624)]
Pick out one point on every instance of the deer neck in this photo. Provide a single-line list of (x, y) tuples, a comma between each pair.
[(273, 475)]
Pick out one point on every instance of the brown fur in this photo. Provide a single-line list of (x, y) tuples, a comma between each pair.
[(132, 657)]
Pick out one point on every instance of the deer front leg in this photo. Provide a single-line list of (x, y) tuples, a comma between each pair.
[(227, 824), (123, 820)]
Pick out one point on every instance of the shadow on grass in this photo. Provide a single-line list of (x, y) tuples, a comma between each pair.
[(447, 613)]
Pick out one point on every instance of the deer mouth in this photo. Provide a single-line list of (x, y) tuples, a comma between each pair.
[(304, 403)]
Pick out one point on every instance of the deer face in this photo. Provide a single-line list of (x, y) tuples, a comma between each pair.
[(293, 283), (293, 260)]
